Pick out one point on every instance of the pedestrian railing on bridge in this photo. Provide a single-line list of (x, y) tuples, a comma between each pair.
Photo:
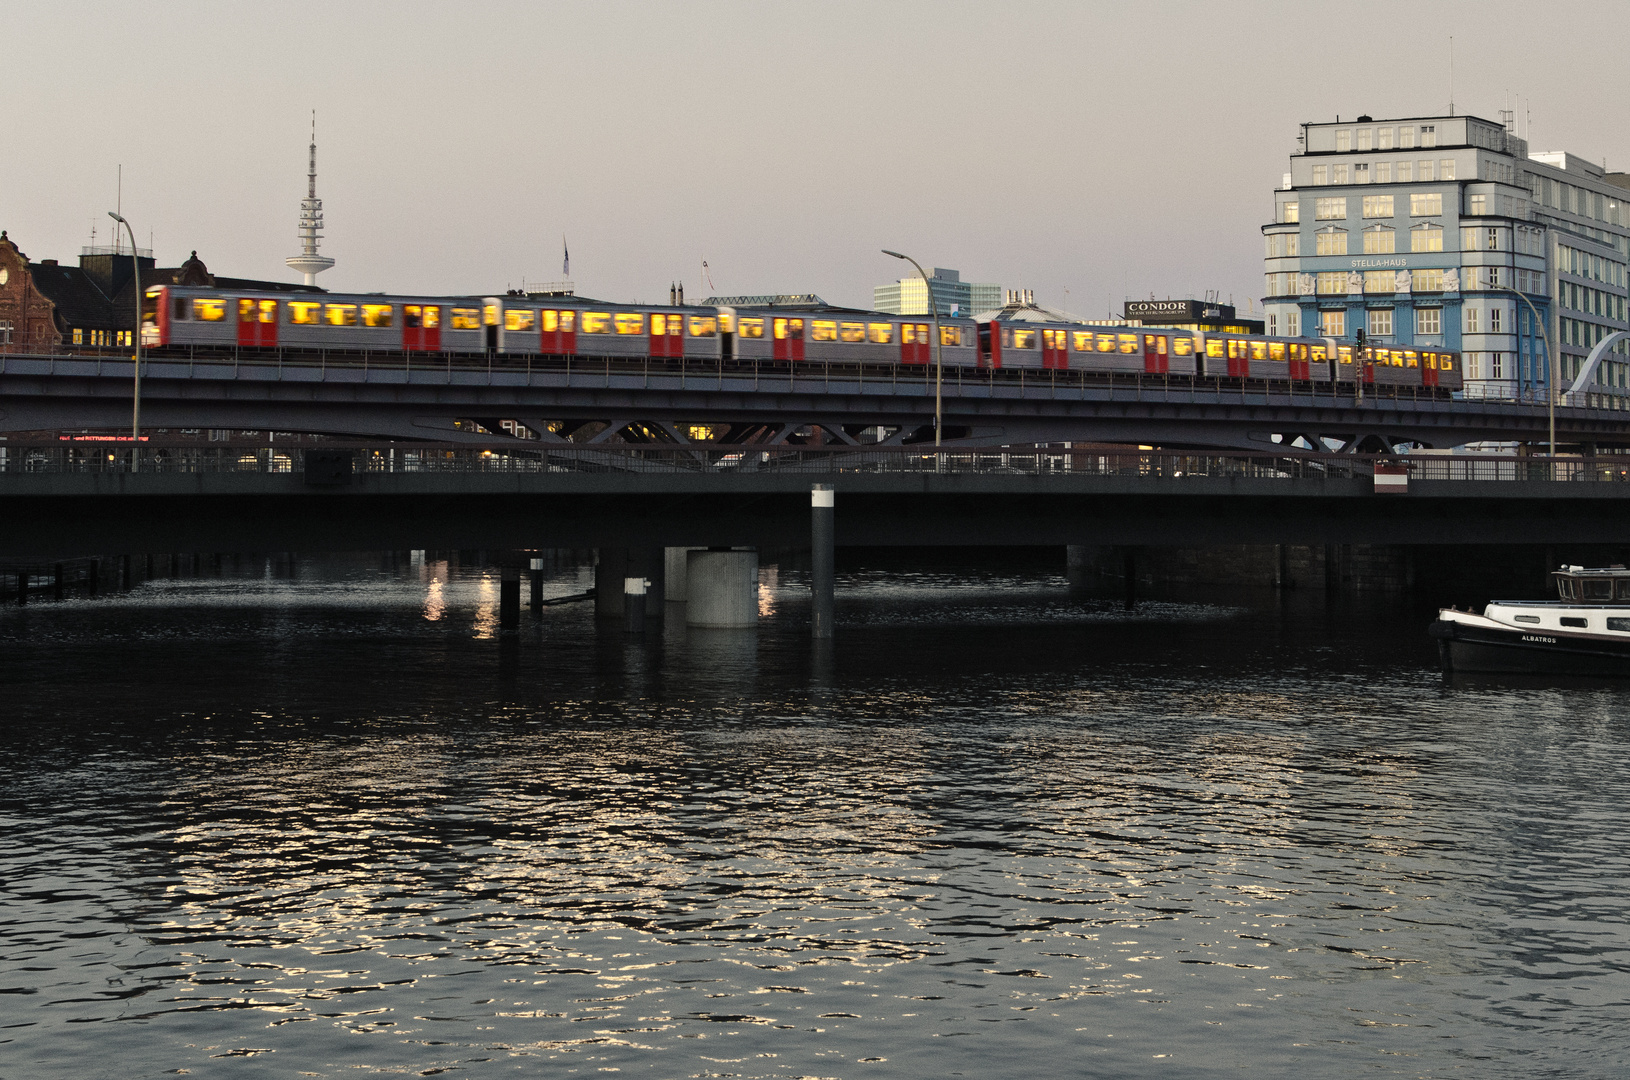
[(311, 456)]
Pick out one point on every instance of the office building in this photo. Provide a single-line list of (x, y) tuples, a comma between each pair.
[(1447, 232), (952, 295)]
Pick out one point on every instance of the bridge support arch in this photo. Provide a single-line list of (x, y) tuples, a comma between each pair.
[(1587, 372)]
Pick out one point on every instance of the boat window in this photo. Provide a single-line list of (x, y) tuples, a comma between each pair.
[(1568, 620), (1621, 625), (1597, 589), (1622, 589), (1564, 588), (1526, 618)]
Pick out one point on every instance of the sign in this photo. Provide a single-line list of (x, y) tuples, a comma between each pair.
[(1176, 310), (1391, 479)]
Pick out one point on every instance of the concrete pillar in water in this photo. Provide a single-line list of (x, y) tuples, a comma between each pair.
[(509, 600), (634, 605), (675, 560), (536, 580), (822, 540), (721, 588), (610, 567)]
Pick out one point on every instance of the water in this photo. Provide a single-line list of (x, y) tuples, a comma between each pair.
[(326, 825)]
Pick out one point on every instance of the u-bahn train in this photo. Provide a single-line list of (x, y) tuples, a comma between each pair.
[(518, 326)]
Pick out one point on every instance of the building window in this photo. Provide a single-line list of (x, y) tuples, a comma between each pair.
[(1330, 241), (1429, 135), (1377, 206), (1283, 245), (1361, 174), (5, 332), (1425, 237), (1496, 365), (1321, 176), (1290, 212), (1344, 139), (1364, 138), (1330, 209), (79, 336), (1381, 322), (1338, 174), (1406, 136), (1495, 321), (1333, 323), (1426, 280), (1383, 139), (1293, 324), (1477, 205), (1273, 324), (1380, 281), (1423, 171), (1469, 315), (1380, 240), (1333, 283), (1446, 169), (1426, 205), (1428, 320), (1383, 172)]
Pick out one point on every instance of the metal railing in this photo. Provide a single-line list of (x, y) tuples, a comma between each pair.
[(533, 457)]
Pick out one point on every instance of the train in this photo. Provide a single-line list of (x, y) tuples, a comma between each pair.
[(563, 326)]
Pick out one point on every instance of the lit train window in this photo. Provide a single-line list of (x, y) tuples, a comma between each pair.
[(1319, 353), (1276, 351), (1259, 350), (340, 314), (786, 329), (246, 310), (597, 322), (922, 333), (1446, 363), (181, 308), (1052, 339), (851, 331), (416, 315), (1429, 361), (1129, 343), (908, 334), (628, 322), (751, 328), (880, 333), (377, 314), (1407, 359), (724, 322), (1379, 356), (568, 319), (1106, 342), (1215, 347), (1344, 353), (952, 335), (1237, 350), (1297, 352), (466, 318), (209, 310), (821, 330), (490, 314), (1182, 346), (304, 312), (703, 326), (675, 325), (1024, 339), (519, 319), (1081, 341)]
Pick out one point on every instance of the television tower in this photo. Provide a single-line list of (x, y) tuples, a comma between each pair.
[(308, 262)]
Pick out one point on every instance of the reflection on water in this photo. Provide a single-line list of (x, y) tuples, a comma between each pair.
[(998, 828)]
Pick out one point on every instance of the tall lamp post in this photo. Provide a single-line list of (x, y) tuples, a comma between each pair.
[(1552, 364), (939, 367), (135, 407)]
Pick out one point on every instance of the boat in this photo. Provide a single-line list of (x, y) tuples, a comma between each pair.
[(1585, 631)]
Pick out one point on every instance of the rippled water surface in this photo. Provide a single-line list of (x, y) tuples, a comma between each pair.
[(321, 822)]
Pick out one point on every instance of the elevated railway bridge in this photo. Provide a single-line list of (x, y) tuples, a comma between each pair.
[(588, 400)]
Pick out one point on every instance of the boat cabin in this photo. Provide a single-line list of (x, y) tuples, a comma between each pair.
[(1577, 585)]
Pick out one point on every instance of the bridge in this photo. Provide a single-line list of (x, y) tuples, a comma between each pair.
[(77, 498), (599, 401)]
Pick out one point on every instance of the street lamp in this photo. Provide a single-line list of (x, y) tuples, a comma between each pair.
[(1551, 362), (135, 407), (939, 367)]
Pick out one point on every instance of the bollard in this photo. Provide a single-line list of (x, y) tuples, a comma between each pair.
[(634, 604), (537, 584), (509, 601), (822, 512)]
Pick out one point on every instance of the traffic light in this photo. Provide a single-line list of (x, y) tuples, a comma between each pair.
[(1359, 337)]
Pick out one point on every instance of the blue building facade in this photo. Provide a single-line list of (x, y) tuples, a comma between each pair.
[(1445, 232)]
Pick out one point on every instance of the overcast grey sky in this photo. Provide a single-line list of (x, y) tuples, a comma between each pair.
[(1106, 149)]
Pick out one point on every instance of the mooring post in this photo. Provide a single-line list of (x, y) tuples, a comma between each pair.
[(509, 600), (822, 512), (634, 605), (537, 585)]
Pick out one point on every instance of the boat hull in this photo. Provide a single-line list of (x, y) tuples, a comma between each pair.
[(1532, 652)]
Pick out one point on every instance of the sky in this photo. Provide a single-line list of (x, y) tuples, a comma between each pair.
[(1092, 152)]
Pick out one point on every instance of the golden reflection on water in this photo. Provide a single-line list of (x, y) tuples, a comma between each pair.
[(485, 625), (769, 579), (434, 574)]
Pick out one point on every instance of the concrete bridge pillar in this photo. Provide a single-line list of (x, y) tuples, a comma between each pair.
[(610, 568), (634, 604), (675, 560), (721, 588), (822, 542)]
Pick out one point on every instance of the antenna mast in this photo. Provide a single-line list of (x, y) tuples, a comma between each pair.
[(308, 262)]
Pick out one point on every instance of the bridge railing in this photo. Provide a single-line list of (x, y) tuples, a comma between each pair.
[(330, 461)]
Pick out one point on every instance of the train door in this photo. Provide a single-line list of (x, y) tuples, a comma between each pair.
[(1296, 354), (727, 333), (559, 332), (789, 339), (1156, 356), (1055, 349), (257, 323), (990, 345), (155, 317), (1429, 369), (1239, 359), (667, 334), (421, 327), (914, 343), (492, 324)]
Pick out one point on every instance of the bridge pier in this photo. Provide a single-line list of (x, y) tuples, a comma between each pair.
[(509, 600), (535, 584), (721, 588), (675, 561), (822, 541), (634, 605)]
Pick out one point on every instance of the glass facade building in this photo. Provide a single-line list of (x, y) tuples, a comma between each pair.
[(952, 295), (1446, 231)]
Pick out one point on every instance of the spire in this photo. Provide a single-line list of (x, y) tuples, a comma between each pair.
[(308, 262)]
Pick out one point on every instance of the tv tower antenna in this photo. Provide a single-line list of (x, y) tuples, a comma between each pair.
[(308, 262)]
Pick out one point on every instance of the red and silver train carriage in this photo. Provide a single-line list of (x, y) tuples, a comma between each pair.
[(515, 326)]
